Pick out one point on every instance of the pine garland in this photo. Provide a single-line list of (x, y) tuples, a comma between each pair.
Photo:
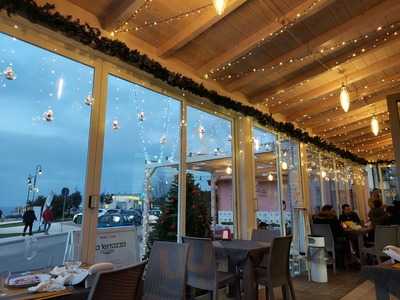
[(47, 16)]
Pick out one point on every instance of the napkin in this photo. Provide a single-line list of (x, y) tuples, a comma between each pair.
[(50, 285)]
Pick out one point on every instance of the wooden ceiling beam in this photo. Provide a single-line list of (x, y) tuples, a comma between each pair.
[(374, 92), (329, 64), (359, 133), (337, 112), (119, 12), (245, 45), (343, 129), (200, 24), (385, 153), (369, 139), (311, 96), (374, 141), (348, 118), (353, 27)]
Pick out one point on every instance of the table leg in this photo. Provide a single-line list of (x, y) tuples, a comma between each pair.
[(249, 281), (381, 291)]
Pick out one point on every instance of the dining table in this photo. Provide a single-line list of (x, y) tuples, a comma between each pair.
[(386, 278), (76, 292), (70, 293), (245, 254)]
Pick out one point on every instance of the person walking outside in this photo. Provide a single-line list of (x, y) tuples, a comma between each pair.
[(28, 218), (48, 217)]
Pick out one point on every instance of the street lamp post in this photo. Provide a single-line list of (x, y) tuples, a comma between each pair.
[(38, 171), (29, 185)]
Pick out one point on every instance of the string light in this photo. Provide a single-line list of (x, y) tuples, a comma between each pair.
[(155, 23), (219, 6), (374, 125), (391, 32), (228, 170), (133, 16), (344, 98), (286, 24)]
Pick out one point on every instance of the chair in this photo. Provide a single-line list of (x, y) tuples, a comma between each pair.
[(384, 236), (165, 277), (121, 284), (325, 231), (277, 274), (264, 235), (202, 268)]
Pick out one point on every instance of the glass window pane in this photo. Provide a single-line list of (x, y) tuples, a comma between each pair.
[(328, 181), (45, 124), (291, 186), (268, 210), (140, 165), (314, 179), (209, 191)]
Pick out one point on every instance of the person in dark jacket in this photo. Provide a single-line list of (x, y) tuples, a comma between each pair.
[(28, 218), (349, 215), (377, 214), (328, 216)]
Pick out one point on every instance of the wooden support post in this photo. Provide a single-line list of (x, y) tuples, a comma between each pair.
[(246, 189), (393, 103)]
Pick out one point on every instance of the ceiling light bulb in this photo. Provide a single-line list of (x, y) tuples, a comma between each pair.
[(228, 170), (284, 165), (270, 177), (375, 125), (344, 98), (219, 6)]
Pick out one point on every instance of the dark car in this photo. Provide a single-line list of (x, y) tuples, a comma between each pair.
[(134, 216), (113, 220)]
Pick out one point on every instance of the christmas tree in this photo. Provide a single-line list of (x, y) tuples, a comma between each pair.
[(198, 220)]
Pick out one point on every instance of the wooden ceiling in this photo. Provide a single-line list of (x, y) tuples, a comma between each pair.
[(288, 57)]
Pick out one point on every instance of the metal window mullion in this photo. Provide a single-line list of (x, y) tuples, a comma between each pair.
[(336, 185), (321, 180), (280, 184), (182, 174)]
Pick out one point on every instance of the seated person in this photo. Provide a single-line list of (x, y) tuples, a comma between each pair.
[(348, 215), (328, 216), (377, 214)]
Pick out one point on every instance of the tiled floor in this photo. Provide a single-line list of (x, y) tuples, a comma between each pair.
[(338, 286)]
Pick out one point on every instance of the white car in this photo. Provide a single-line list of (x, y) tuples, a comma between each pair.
[(154, 215)]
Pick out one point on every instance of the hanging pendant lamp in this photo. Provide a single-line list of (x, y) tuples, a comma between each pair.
[(375, 125), (219, 6), (344, 98)]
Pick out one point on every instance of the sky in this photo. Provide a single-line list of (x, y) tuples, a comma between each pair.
[(146, 127)]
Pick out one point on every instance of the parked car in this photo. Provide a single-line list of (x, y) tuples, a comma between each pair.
[(113, 220), (154, 215), (77, 218), (134, 216), (113, 211)]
